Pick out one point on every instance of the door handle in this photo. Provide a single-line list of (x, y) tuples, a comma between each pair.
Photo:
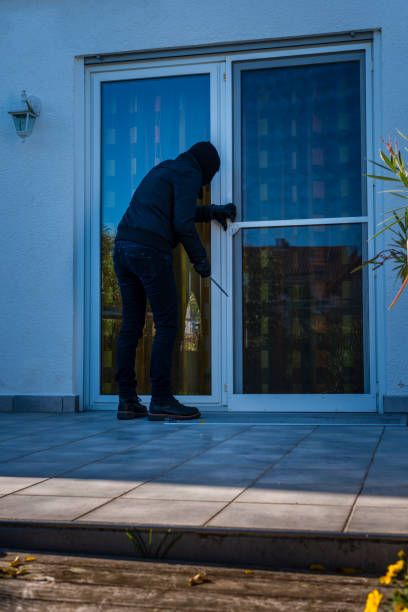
[(233, 228)]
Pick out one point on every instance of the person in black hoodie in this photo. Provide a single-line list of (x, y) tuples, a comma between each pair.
[(161, 214)]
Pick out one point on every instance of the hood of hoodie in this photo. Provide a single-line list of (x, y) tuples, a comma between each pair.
[(208, 159)]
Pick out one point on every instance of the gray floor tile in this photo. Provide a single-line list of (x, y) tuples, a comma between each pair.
[(282, 516), (189, 468), (42, 507), (318, 486), (100, 447), (243, 446), (218, 462), (271, 495), (397, 462), (154, 512), (387, 490), (326, 463), (293, 476), (77, 487), (138, 459), (221, 451), (210, 480), (168, 449), (7, 433), (397, 472), (35, 470), (10, 484), (381, 479), (192, 492), (344, 453), (23, 448), (12, 455), (384, 500), (115, 471), (309, 445), (209, 439), (220, 469), (216, 474), (60, 455), (376, 520), (232, 460)]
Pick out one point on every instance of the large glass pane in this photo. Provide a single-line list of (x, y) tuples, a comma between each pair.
[(301, 312), (301, 142), (144, 122)]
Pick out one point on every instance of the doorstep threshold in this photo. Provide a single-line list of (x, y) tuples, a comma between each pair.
[(330, 419)]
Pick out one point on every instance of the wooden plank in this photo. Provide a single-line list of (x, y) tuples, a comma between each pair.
[(67, 582), (193, 598)]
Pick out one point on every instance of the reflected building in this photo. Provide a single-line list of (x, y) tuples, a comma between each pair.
[(303, 313)]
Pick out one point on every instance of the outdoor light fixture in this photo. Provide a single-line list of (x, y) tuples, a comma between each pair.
[(24, 118)]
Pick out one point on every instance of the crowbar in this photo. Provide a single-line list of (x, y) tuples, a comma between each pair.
[(219, 286)]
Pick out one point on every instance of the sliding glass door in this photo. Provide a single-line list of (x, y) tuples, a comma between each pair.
[(296, 331), (300, 315), (141, 120)]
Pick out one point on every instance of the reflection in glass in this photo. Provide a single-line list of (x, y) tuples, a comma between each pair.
[(302, 310), (301, 148), (192, 325), (146, 121)]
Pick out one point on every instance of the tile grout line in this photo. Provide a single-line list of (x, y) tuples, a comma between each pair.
[(79, 466), (47, 448), (169, 499), (39, 429), (272, 465), (49, 477), (154, 437), (159, 475), (353, 506)]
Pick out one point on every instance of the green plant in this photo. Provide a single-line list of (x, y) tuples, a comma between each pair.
[(397, 222)]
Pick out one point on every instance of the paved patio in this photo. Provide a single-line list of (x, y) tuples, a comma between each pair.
[(339, 474)]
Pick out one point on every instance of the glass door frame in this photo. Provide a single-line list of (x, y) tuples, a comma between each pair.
[(215, 68), (366, 402), (220, 69)]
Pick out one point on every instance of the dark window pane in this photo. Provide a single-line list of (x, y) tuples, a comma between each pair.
[(144, 122), (301, 149), (302, 310)]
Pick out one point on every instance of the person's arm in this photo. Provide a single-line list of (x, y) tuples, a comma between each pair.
[(186, 188), (219, 213), (203, 214)]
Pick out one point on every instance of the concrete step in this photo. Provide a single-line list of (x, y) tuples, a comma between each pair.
[(243, 547)]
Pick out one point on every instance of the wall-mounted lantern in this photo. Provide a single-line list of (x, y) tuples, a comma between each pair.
[(24, 118)]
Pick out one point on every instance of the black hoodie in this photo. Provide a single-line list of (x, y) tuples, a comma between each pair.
[(163, 211)]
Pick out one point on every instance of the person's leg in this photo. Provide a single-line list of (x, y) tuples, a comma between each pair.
[(154, 270), (133, 320), (162, 295), (161, 291)]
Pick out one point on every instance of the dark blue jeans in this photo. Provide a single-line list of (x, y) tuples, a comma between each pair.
[(143, 272)]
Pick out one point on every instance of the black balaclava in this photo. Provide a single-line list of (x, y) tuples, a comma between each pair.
[(207, 156)]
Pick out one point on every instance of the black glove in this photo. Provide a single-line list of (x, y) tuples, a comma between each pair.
[(222, 213), (203, 268)]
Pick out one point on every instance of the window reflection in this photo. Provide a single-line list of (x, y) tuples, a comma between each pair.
[(192, 325), (301, 142), (145, 121), (302, 310)]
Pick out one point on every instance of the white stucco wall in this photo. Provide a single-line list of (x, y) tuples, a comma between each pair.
[(38, 43)]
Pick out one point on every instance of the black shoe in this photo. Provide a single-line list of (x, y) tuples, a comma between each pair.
[(171, 409), (131, 409)]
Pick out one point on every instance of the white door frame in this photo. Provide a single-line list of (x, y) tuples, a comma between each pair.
[(95, 76), (303, 402), (220, 69)]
